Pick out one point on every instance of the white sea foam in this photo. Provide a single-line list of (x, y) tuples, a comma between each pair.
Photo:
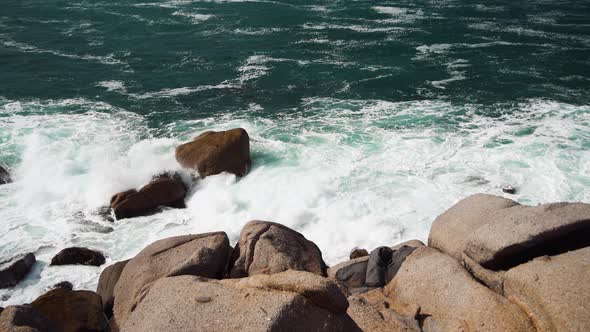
[(113, 85), (345, 173), (194, 17)]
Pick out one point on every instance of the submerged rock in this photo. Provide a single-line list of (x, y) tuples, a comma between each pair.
[(4, 176), (358, 252), (203, 255), (24, 318), (509, 190), (78, 255), (72, 311), (164, 190), (266, 247), (64, 285), (15, 270), (214, 152), (241, 305)]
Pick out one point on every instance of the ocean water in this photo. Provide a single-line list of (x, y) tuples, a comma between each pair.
[(367, 119)]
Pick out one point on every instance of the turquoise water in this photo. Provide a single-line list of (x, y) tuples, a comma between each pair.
[(367, 118)]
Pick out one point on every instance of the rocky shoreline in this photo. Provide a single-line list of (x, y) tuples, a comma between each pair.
[(490, 264)]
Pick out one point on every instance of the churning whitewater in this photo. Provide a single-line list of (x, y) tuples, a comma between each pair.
[(367, 119)]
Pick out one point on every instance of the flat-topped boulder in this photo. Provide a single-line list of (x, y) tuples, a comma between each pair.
[(72, 311), (15, 270), (266, 247), (433, 284), (203, 255), (214, 152), (164, 190), (498, 233), (189, 303), (78, 255), (553, 290), (451, 230), (520, 233)]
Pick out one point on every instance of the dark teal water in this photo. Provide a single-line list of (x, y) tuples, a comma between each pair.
[(367, 119)]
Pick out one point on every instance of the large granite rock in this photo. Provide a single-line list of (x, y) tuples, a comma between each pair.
[(189, 303), (266, 247), (518, 234), (435, 285), (78, 255), (204, 255), (498, 233), (15, 270), (106, 286), (215, 152), (164, 190), (72, 311), (4, 176), (24, 318), (553, 290), (372, 312), (451, 230)]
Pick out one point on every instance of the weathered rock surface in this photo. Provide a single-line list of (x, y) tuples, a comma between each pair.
[(553, 290), (78, 255), (515, 235), (372, 312), (229, 305), (164, 190), (15, 270), (215, 152), (24, 318), (451, 230), (433, 284), (106, 285), (203, 255), (72, 311), (321, 291), (4, 176), (266, 247)]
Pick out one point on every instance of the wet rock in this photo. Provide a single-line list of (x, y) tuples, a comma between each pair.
[(72, 311), (233, 306), (78, 255), (4, 176), (358, 252), (203, 255), (215, 152), (106, 285), (164, 190), (433, 284), (64, 285), (24, 318), (384, 263), (266, 247), (509, 190), (553, 290), (15, 270)]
